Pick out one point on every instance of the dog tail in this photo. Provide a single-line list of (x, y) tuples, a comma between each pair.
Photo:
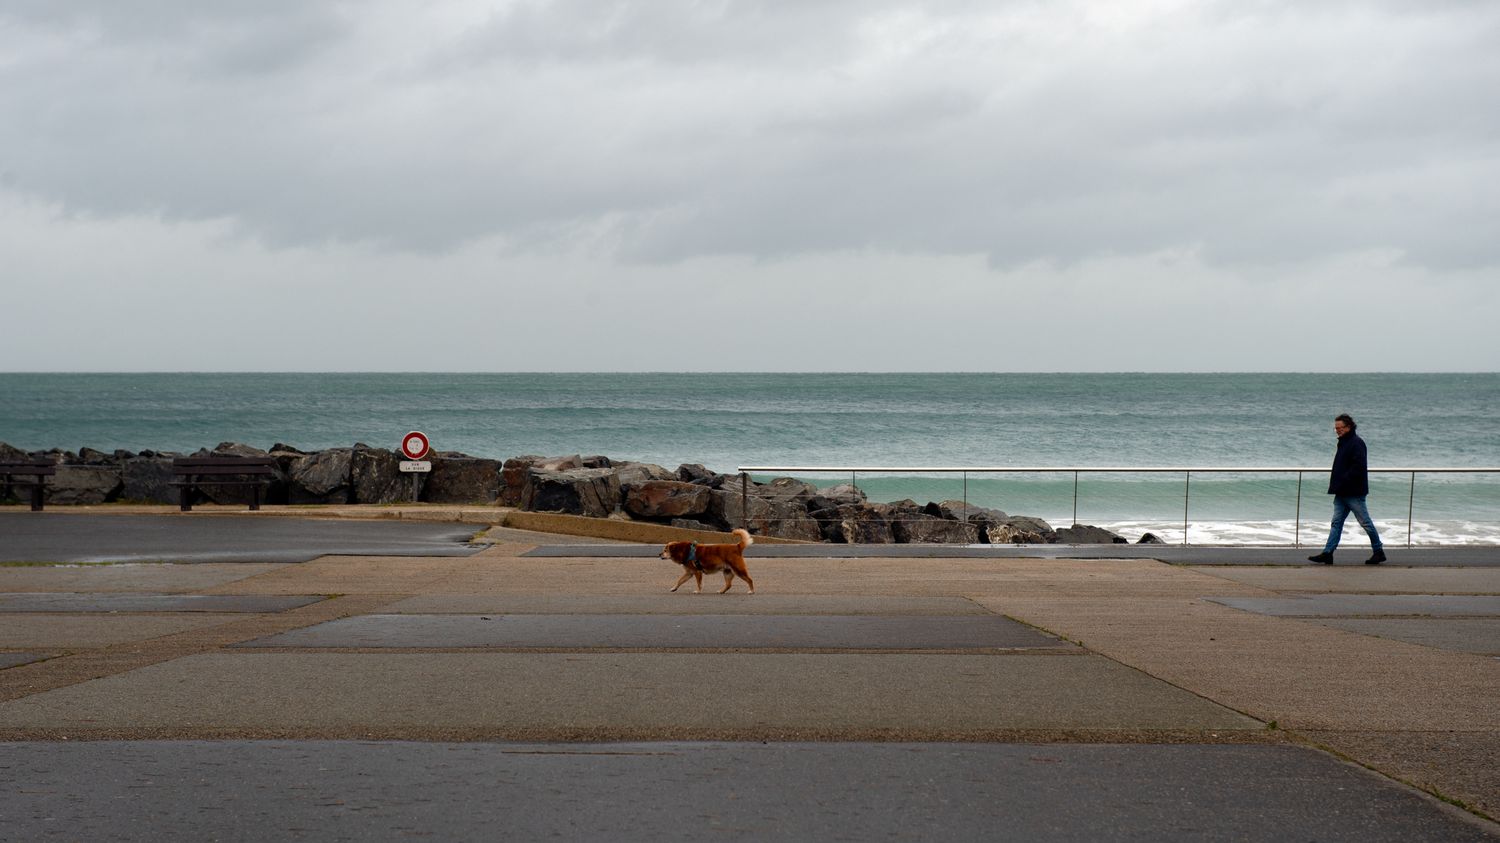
[(745, 540)]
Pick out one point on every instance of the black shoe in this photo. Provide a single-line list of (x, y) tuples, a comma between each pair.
[(1376, 559), (1322, 559)]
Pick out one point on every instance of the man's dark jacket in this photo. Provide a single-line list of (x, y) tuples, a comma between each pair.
[(1351, 467)]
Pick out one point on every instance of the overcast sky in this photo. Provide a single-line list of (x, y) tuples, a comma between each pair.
[(818, 185)]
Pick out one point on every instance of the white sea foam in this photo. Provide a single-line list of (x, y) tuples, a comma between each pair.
[(1287, 532)]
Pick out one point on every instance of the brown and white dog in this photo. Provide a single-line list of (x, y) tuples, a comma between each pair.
[(699, 559)]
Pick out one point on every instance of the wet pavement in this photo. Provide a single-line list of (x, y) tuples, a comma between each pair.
[(521, 693)]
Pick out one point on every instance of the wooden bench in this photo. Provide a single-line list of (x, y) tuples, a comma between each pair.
[(41, 469), (192, 472)]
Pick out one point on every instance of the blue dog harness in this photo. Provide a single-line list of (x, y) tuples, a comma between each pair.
[(693, 555)]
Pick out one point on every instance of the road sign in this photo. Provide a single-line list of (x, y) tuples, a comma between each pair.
[(416, 466), (414, 445)]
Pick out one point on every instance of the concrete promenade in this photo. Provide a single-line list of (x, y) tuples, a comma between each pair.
[(537, 684)]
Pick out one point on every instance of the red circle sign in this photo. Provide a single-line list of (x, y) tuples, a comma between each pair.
[(414, 445)]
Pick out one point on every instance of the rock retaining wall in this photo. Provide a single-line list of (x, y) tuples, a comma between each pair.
[(598, 486)]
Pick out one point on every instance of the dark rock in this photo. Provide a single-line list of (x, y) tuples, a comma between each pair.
[(83, 484), (862, 525), (147, 480), (1150, 538), (656, 499), (513, 479), (235, 449), (9, 453), (580, 491), (279, 448), (320, 477), (641, 472), (89, 456), (695, 473), (462, 479), (598, 462), (559, 463), (1021, 529), (685, 524), (122, 455), (1088, 534), (785, 488), (920, 528), (729, 509), (843, 493), (375, 476), (790, 520)]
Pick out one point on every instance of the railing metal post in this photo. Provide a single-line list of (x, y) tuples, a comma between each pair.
[(1186, 483), (1075, 499), (745, 501), (1410, 503), (1297, 526), (966, 497)]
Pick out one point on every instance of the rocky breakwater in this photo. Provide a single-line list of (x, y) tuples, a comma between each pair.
[(690, 496), (359, 474)]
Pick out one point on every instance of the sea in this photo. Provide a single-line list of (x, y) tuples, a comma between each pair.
[(891, 422)]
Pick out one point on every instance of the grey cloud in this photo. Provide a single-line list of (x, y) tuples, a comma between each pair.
[(668, 131)]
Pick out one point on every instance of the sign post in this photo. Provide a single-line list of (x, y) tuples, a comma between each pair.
[(414, 446)]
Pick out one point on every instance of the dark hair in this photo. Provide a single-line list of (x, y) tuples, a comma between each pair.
[(1348, 421)]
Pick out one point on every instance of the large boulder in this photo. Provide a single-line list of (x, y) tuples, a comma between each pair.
[(666, 499), (513, 478), (863, 525), (10, 453), (148, 480), (785, 488), (920, 528), (459, 478), (375, 476), (321, 477), (1088, 534), (1021, 529), (580, 491), (695, 473), (631, 473), (83, 484), (843, 493), (729, 509), (790, 520)]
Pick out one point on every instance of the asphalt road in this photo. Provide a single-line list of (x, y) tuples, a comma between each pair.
[(67, 537)]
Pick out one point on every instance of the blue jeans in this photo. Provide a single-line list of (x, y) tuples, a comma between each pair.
[(1342, 506)]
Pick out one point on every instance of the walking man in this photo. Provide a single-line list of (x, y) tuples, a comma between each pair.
[(1349, 485)]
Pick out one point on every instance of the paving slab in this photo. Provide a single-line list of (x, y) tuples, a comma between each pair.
[(1367, 605), (691, 791), (129, 576), (669, 632), (673, 604), (186, 537), (1363, 579), (72, 632), (558, 696), (73, 603), (1459, 635), (16, 659)]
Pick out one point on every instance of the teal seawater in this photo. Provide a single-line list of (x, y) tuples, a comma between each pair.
[(728, 420)]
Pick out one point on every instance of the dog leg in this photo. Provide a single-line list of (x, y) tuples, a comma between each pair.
[(680, 581), (699, 588), (728, 580)]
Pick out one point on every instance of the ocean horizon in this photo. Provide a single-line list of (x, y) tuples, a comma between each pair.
[(726, 420)]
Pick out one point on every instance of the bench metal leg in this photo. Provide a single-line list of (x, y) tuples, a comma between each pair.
[(36, 496), (254, 498), (187, 498)]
